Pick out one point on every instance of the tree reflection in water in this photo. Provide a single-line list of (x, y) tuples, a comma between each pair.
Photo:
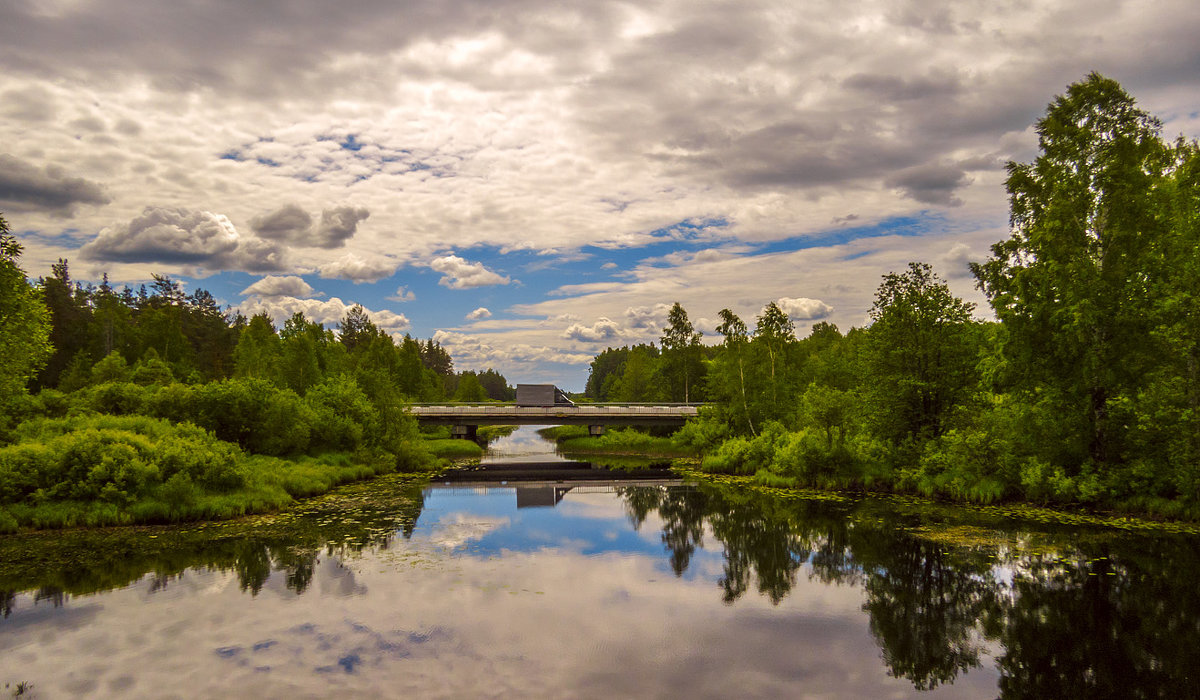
[(1104, 615), (1086, 613)]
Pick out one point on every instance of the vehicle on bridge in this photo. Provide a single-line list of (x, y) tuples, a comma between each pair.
[(542, 395)]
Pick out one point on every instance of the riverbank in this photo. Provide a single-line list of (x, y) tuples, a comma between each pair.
[(942, 510), (574, 439), (101, 470)]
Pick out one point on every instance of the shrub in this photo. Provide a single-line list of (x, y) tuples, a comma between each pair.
[(116, 398), (255, 414), (342, 413), (702, 434)]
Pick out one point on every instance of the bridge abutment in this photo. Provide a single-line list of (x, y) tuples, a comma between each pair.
[(464, 432)]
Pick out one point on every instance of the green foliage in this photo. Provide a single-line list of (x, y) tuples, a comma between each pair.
[(703, 434), (116, 398), (152, 370), (448, 448), (342, 414), (254, 414), (111, 470), (1075, 281), (682, 357), (112, 368), (258, 353), (922, 354), (24, 324), (469, 389)]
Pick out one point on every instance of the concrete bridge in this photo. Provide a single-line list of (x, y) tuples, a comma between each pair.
[(463, 419)]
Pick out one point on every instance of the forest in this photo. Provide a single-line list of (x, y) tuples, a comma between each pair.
[(121, 406), (1082, 388)]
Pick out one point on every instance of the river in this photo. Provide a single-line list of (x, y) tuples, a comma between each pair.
[(601, 588)]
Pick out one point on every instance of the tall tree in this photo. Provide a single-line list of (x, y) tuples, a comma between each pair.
[(69, 318), (922, 354), (24, 322), (681, 354), (258, 353), (774, 337), (729, 377), (1070, 284), (355, 328)]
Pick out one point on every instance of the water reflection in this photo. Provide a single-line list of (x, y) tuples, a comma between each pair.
[(951, 601)]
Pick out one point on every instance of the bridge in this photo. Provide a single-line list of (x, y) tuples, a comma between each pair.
[(546, 404), (463, 419)]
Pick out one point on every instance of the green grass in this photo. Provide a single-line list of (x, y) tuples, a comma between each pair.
[(453, 448), (575, 439)]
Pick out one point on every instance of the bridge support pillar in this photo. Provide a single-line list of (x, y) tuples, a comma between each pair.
[(595, 430), (465, 432)]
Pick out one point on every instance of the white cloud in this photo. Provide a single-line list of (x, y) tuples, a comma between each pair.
[(327, 312), (483, 351), (803, 308), (648, 317), (953, 262), (359, 269), (402, 295), (272, 286), (479, 314), (458, 273), (602, 330)]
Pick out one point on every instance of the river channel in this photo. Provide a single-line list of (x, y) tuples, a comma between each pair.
[(601, 587)]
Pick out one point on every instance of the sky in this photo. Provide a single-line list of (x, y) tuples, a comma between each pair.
[(531, 182)]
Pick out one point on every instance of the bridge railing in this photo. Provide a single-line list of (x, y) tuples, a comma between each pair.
[(697, 404)]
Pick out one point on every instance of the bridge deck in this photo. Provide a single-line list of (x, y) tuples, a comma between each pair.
[(554, 415)]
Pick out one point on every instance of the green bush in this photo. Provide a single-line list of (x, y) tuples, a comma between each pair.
[(115, 398), (111, 369), (255, 414), (342, 414), (702, 434)]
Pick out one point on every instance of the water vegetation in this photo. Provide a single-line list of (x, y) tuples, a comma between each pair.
[(344, 521)]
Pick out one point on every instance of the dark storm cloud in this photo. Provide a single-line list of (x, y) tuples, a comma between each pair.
[(26, 187), (288, 223), (338, 225), (291, 224), (930, 183), (892, 88)]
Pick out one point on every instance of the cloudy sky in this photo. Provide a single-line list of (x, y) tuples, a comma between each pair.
[(530, 182)]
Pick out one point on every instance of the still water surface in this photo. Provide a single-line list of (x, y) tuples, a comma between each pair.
[(397, 588)]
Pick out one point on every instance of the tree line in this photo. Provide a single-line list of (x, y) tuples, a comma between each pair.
[(1085, 388)]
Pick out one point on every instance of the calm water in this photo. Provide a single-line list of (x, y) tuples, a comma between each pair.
[(601, 590)]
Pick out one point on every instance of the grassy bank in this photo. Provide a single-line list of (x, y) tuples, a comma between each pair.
[(96, 470), (574, 439)]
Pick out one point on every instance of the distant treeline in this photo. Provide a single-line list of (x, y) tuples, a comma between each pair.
[(159, 332), (1085, 390)]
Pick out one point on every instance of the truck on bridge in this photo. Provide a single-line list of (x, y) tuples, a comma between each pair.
[(545, 395)]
